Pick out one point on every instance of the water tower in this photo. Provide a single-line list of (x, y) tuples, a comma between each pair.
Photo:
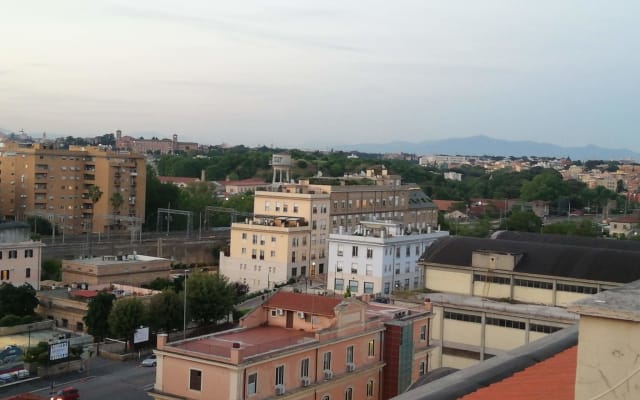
[(281, 164)]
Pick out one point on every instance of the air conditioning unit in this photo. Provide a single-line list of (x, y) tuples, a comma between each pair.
[(351, 367), (300, 314), (279, 390), (305, 381), (328, 374), (280, 311)]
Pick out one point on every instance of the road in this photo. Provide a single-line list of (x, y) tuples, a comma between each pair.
[(105, 380)]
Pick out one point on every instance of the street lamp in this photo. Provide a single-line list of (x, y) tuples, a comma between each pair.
[(29, 344), (184, 328)]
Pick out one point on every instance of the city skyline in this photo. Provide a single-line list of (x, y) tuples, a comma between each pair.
[(322, 75)]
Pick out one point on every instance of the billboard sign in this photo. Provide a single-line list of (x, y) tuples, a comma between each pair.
[(59, 350), (141, 335)]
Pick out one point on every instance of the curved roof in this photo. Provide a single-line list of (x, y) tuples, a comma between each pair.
[(555, 259)]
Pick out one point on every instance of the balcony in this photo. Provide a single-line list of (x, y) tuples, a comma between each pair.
[(89, 177)]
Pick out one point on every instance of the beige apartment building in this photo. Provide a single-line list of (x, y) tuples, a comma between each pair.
[(288, 236), (36, 179), (20, 257), (303, 347)]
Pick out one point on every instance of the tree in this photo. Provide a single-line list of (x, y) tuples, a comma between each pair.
[(19, 301), (166, 311), (51, 269), (97, 315), (126, 316), (94, 193), (116, 200), (210, 297), (546, 186), (523, 221)]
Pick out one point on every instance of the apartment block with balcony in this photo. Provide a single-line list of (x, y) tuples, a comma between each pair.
[(287, 238), (36, 179), (299, 346), (379, 257)]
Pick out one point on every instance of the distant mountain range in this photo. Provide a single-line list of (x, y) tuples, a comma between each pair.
[(484, 145)]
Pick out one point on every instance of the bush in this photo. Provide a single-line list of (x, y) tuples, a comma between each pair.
[(10, 320)]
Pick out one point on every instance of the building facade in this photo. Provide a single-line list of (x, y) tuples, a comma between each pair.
[(288, 235), (298, 346), (379, 257), (162, 146), (132, 269), (20, 256), (56, 184)]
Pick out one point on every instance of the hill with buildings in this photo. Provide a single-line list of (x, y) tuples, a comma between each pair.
[(484, 145)]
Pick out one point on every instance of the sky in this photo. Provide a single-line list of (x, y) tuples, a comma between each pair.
[(319, 74)]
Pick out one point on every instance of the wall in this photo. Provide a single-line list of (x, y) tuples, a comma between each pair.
[(448, 281)]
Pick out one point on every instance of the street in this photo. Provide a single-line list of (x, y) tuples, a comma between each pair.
[(105, 380)]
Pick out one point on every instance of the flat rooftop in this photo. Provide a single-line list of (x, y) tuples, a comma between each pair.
[(619, 303), (252, 341), (538, 311), (111, 260)]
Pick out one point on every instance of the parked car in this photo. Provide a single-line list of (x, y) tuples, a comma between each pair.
[(149, 361), (23, 374), (69, 393), (7, 378)]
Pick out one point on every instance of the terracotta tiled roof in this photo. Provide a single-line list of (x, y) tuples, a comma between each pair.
[(177, 179), (445, 205), (244, 182), (84, 293), (553, 378), (308, 303)]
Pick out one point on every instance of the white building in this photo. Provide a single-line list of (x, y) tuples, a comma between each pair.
[(378, 258)]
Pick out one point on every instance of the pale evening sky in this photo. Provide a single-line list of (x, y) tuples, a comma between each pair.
[(318, 74)]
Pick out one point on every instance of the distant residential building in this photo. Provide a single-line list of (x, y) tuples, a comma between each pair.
[(133, 269), (179, 181), (379, 257), (453, 176), (299, 346), (624, 226), (162, 146), (20, 256), (232, 187), (36, 179)]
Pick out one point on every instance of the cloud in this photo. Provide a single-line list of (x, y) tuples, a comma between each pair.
[(238, 30)]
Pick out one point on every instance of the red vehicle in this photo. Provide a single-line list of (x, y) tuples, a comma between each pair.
[(69, 393)]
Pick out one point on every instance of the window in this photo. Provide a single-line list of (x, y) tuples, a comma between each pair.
[(369, 269), (280, 375), (27, 273), (423, 368), (368, 287), (267, 205), (254, 239), (294, 271), (273, 239), (338, 284), (272, 253), (0, 255), (462, 317), (408, 251), (326, 361), (262, 240), (423, 333), (293, 256), (506, 323), (339, 266), (252, 384), (304, 368), (254, 253), (340, 250), (244, 235), (348, 394), (354, 268), (350, 354), (370, 388), (369, 252), (5, 275), (353, 286), (243, 250), (262, 254), (13, 253), (398, 252), (295, 207), (28, 253), (417, 250), (354, 251), (387, 287), (195, 379)]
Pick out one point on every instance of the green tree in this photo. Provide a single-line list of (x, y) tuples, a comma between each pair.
[(116, 200), (97, 318), (94, 193), (210, 297), (126, 316), (19, 301), (166, 311), (546, 186), (523, 221), (51, 270)]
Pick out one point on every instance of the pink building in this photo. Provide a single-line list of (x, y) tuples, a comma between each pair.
[(303, 347)]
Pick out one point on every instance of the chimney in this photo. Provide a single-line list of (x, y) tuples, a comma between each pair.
[(161, 340), (428, 306)]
